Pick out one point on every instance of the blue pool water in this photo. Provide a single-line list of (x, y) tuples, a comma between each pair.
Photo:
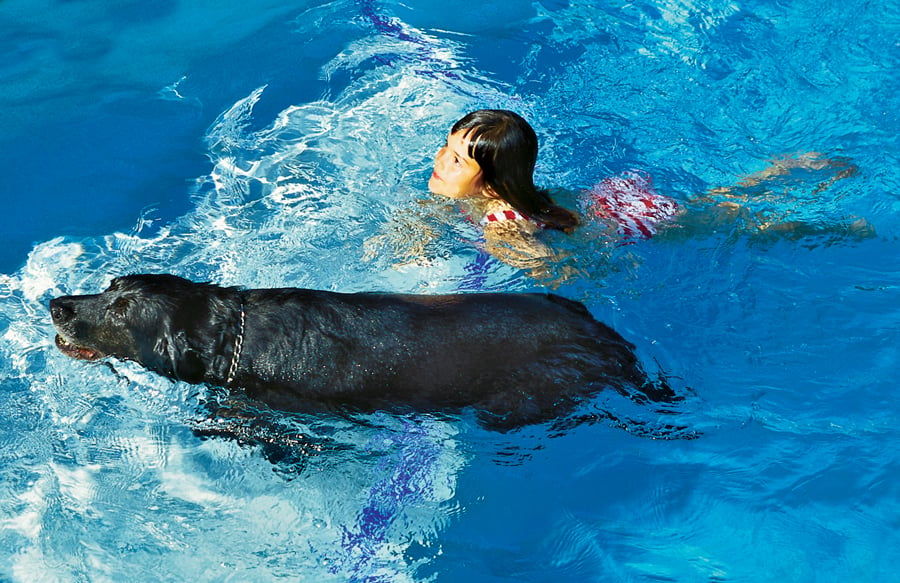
[(263, 143)]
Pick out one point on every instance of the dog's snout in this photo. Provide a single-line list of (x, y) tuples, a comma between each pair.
[(60, 311)]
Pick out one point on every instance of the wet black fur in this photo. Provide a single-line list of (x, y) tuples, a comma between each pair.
[(515, 358)]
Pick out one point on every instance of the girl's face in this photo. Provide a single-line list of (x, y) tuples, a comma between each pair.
[(455, 174)]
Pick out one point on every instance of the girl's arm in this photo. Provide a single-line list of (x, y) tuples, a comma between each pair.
[(516, 244)]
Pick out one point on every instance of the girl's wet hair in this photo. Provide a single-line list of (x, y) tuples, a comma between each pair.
[(505, 146)]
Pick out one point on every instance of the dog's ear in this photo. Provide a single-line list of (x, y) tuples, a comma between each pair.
[(190, 367), (181, 361)]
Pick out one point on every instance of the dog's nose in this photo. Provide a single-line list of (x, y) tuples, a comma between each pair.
[(60, 311)]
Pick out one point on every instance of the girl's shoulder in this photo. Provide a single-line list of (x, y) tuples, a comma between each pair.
[(495, 214)]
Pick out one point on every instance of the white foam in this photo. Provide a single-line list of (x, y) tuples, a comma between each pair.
[(289, 203)]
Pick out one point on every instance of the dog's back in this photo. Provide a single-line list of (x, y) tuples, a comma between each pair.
[(516, 356)]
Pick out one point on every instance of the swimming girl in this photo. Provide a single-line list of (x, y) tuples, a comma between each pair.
[(488, 164)]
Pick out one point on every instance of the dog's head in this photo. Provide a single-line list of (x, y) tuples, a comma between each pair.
[(159, 321)]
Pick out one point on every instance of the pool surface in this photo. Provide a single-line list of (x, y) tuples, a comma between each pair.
[(262, 143)]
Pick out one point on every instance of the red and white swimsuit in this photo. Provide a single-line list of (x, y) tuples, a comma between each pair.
[(630, 201), (504, 215)]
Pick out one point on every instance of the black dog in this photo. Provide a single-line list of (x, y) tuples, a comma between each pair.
[(515, 358)]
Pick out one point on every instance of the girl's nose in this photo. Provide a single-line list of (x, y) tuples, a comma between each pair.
[(440, 158)]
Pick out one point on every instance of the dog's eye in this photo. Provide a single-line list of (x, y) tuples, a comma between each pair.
[(119, 308)]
